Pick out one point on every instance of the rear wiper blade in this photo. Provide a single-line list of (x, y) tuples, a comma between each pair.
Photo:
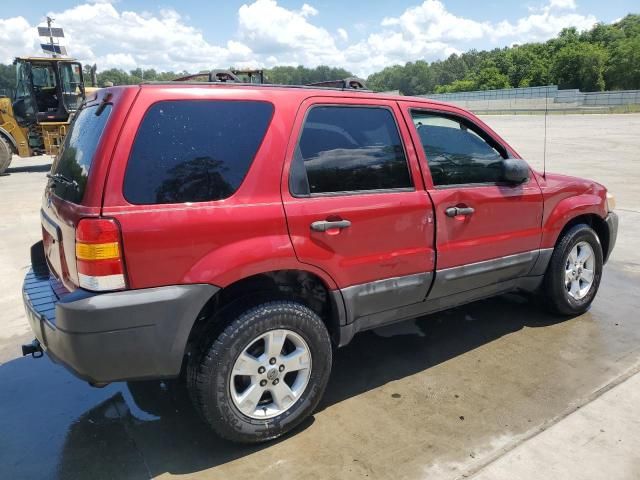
[(60, 178)]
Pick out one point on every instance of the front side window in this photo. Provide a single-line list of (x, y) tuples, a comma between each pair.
[(349, 149), (194, 150), (458, 153)]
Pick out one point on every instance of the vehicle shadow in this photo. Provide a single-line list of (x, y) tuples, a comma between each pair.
[(56, 426), (28, 169)]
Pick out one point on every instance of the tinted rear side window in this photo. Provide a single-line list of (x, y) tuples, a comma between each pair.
[(347, 149), (74, 162), (194, 151)]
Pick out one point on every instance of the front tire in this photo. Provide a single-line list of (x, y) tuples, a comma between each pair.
[(573, 276), (6, 152), (264, 374)]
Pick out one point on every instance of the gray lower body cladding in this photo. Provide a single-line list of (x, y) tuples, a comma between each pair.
[(129, 335), (373, 297), (375, 304), (472, 276)]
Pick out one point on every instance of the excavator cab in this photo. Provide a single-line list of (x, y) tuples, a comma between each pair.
[(47, 90)]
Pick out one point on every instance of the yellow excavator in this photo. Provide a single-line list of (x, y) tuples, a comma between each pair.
[(48, 92)]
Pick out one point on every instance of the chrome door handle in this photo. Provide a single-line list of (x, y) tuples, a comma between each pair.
[(455, 211), (324, 225)]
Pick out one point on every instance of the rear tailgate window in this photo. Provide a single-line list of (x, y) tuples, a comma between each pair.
[(194, 150), (74, 162)]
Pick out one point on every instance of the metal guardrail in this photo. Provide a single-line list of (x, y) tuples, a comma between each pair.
[(503, 94), (536, 99)]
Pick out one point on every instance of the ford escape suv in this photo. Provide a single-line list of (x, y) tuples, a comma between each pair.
[(235, 234)]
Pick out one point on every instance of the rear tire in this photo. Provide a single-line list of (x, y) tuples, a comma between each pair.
[(573, 276), (264, 374), (6, 152)]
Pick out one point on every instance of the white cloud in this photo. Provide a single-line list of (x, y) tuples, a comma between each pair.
[(267, 28), (563, 4), (269, 34), (307, 10), (17, 37), (429, 30), (125, 61), (430, 21), (100, 33), (543, 23)]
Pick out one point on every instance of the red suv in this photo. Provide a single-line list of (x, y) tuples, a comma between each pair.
[(238, 233)]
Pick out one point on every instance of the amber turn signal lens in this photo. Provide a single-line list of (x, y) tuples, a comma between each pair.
[(97, 251)]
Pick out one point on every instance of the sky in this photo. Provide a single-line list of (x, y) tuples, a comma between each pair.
[(189, 35)]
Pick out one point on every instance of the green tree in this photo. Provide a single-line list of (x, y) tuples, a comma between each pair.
[(528, 67), (623, 71), (7, 77), (602, 34), (454, 68), (301, 75), (629, 25), (489, 77), (457, 86), (115, 76), (580, 65)]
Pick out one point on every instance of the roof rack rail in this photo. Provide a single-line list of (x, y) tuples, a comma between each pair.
[(221, 76), (234, 76), (353, 83)]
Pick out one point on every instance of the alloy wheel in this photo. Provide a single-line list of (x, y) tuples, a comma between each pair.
[(270, 374)]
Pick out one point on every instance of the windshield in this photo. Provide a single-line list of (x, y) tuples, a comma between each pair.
[(43, 76), (73, 164)]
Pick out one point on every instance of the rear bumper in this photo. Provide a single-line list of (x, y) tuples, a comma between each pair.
[(612, 225), (129, 335)]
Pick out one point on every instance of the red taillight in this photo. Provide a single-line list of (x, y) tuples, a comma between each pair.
[(99, 255)]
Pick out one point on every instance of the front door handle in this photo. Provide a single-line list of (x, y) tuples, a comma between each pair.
[(455, 211), (324, 225)]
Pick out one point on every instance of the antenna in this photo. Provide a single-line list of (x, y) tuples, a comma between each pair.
[(49, 22), (544, 153)]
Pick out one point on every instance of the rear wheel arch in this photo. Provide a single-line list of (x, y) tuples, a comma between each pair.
[(299, 285)]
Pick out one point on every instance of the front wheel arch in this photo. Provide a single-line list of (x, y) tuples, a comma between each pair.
[(593, 221)]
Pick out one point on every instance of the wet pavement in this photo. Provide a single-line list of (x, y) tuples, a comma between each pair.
[(437, 394), (437, 397)]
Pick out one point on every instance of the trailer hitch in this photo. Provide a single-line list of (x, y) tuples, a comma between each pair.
[(34, 349)]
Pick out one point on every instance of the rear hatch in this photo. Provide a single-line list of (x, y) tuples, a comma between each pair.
[(62, 203)]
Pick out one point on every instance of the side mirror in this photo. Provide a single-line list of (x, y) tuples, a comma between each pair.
[(515, 171)]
